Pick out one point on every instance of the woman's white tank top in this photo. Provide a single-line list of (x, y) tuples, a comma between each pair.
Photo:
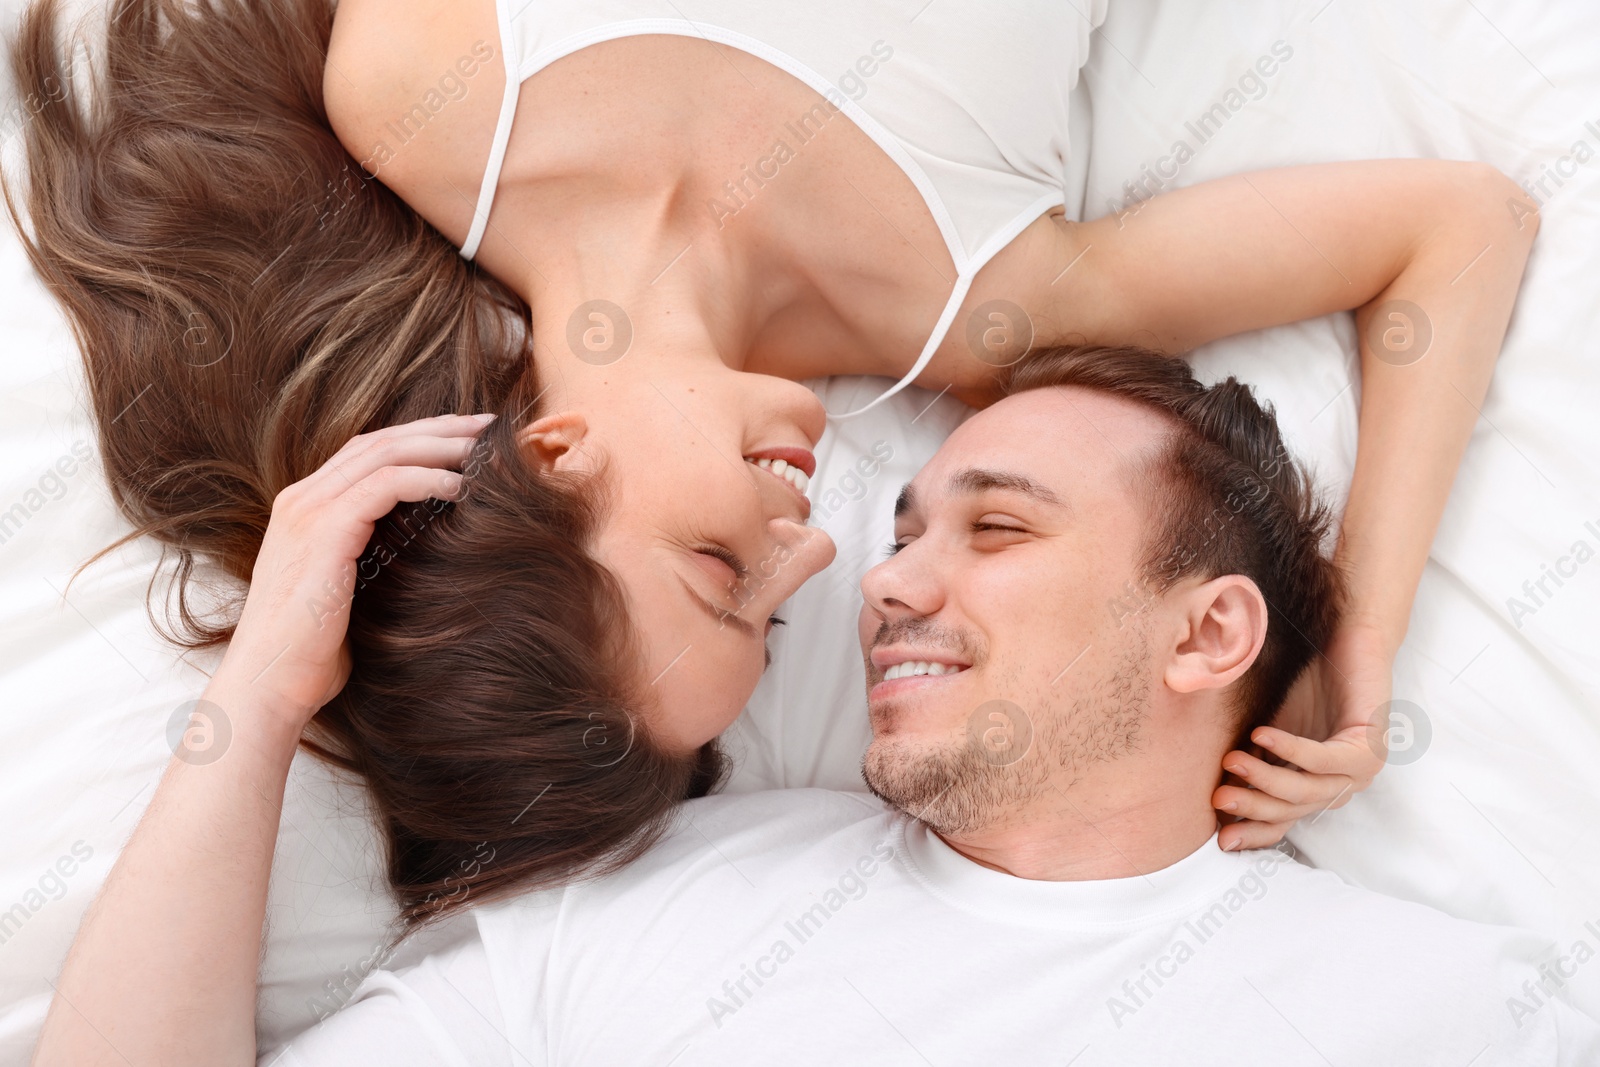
[(968, 97)]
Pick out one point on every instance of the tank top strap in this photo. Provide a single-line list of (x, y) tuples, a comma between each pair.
[(510, 59), (935, 339), (958, 294)]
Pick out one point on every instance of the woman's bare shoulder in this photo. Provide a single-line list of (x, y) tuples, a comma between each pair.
[(413, 89)]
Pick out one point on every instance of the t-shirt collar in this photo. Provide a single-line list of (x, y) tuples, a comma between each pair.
[(1108, 902)]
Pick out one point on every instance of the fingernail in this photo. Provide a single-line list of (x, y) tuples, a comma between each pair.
[(1232, 846), (1232, 805), (1265, 741), (485, 416), (1239, 769)]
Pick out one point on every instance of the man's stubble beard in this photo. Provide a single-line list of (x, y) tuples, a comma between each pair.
[(957, 789)]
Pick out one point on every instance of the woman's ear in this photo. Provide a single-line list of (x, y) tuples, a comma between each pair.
[(555, 443), (1225, 623)]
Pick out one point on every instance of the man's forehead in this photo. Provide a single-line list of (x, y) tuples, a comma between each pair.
[(1071, 410), (1046, 436)]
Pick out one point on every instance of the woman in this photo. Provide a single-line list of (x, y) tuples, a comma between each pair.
[(575, 632)]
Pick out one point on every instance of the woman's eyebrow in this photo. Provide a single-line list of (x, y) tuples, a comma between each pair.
[(723, 616)]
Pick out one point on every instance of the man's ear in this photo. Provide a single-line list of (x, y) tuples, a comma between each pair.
[(1224, 623), (555, 443)]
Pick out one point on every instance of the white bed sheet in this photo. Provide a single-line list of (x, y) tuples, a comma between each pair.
[(1497, 820)]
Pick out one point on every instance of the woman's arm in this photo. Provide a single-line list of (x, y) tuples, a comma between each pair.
[(1422, 248), (163, 969)]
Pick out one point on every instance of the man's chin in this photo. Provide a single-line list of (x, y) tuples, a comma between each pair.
[(950, 787)]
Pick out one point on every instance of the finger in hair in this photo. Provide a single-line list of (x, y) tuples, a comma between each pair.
[(344, 471), (376, 495)]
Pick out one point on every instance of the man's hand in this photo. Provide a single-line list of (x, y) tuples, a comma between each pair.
[(1328, 740)]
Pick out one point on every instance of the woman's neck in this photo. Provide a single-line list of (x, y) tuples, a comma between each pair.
[(812, 274), (636, 277)]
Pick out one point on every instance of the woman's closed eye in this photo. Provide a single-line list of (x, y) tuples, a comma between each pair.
[(728, 570)]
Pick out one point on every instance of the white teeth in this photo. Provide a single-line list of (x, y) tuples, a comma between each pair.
[(793, 475), (917, 668)]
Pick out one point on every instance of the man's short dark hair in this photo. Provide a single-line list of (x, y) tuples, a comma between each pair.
[(1225, 497)]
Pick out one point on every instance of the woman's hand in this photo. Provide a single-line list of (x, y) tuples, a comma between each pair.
[(290, 638), (1328, 737), (167, 958)]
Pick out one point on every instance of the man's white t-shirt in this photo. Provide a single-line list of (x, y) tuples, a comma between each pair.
[(805, 926)]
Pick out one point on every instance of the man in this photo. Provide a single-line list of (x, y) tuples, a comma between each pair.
[(1097, 586)]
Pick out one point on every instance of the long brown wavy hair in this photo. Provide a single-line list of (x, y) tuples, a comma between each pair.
[(246, 300)]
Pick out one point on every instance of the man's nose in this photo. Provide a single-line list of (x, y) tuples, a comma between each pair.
[(910, 582)]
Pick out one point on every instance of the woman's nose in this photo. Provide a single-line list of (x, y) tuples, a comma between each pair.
[(796, 554)]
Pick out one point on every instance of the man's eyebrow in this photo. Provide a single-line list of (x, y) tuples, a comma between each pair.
[(906, 501), (971, 480), (722, 615)]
